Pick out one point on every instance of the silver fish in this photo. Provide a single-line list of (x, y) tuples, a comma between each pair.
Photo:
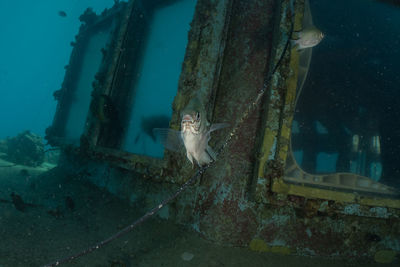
[(308, 37), (194, 134)]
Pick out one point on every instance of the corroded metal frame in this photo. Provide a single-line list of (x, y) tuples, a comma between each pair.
[(92, 24), (275, 151), (199, 76)]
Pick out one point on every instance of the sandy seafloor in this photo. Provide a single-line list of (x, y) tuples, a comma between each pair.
[(35, 237)]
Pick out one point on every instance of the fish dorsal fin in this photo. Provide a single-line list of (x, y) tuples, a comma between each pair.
[(307, 17), (306, 54)]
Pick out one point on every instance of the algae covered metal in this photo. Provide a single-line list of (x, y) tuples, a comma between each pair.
[(247, 197)]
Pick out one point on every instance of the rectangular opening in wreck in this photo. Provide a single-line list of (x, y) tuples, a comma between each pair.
[(154, 82), (91, 62), (344, 134), (87, 60)]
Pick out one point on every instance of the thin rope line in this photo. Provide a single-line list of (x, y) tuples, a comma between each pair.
[(259, 95), (134, 224), (187, 183)]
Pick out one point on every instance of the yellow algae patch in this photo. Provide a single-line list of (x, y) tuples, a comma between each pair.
[(260, 246), (279, 186), (381, 202), (385, 256), (268, 143)]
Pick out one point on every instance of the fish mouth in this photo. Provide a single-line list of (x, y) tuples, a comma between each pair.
[(187, 119), (188, 124)]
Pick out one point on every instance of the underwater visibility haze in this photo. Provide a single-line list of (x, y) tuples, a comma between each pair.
[(90, 101), (34, 48)]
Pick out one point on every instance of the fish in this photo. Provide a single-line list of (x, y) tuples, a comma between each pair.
[(147, 124), (19, 204), (308, 37), (305, 55), (62, 13), (194, 135)]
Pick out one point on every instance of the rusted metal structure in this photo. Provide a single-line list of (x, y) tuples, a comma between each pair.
[(254, 194)]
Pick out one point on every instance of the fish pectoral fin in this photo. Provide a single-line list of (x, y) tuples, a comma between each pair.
[(217, 126), (302, 49), (170, 139)]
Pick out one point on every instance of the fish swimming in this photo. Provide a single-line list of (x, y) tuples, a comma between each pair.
[(194, 134), (149, 123), (308, 37), (62, 13)]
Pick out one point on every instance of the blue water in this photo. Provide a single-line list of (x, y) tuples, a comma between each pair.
[(34, 48), (157, 79)]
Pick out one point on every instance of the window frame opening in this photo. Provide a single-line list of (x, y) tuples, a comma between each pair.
[(103, 140), (93, 24), (277, 159), (157, 67)]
